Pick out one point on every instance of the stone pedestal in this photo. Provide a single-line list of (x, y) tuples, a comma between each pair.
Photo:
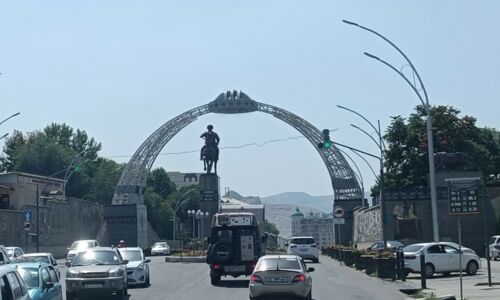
[(209, 199), (128, 223)]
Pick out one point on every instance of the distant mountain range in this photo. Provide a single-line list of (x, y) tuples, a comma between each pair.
[(321, 203)]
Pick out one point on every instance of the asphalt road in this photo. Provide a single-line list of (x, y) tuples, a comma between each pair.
[(182, 281)]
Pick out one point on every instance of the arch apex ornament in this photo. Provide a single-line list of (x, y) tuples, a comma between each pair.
[(130, 188), (232, 103)]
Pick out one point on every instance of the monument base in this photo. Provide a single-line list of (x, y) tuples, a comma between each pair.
[(128, 223), (210, 199)]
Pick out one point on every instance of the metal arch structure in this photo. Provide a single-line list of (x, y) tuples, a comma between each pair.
[(130, 188)]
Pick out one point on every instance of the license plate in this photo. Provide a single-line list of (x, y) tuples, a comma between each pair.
[(303, 250), (234, 268), (93, 286), (277, 279)]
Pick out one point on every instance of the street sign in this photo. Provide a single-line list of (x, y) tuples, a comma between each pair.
[(27, 226), (338, 212), (463, 195), (27, 215), (339, 221)]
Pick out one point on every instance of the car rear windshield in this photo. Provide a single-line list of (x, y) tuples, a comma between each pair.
[(41, 258), (30, 276), (160, 245), (412, 248), (131, 255), (267, 264), (96, 258), (302, 241), (82, 245), (492, 240)]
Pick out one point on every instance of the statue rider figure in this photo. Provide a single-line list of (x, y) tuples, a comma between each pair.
[(211, 140)]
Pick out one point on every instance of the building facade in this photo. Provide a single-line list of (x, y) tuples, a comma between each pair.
[(184, 179), (319, 226)]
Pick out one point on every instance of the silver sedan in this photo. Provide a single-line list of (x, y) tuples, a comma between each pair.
[(281, 275)]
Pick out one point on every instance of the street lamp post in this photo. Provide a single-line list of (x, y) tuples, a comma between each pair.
[(201, 216), (5, 120), (381, 146), (192, 213), (426, 105)]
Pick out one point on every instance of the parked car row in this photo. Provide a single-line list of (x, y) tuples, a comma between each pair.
[(33, 276)]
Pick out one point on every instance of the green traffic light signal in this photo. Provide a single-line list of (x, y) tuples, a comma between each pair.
[(327, 144)]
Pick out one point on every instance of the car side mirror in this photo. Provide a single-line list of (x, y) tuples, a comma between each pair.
[(147, 260), (309, 270), (68, 248), (67, 264), (49, 285), (125, 261)]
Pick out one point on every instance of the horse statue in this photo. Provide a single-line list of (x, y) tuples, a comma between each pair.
[(210, 152)]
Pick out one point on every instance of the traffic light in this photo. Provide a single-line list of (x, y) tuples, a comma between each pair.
[(326, 143)]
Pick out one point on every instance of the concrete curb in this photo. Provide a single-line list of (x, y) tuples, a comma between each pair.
[(186, 259)]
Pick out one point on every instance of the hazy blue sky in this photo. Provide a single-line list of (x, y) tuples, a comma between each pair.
[(120, 69)]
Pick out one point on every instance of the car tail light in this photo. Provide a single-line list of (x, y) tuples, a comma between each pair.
[(255, 278), (299, 278), (293, 246), (217, 266), (314, 246)]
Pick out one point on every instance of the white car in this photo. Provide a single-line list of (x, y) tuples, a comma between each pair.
[(14, 253), (160, 248), (80, 246), (137, 266), (305, 247), (41, 257), (495, 247), (439, 258)]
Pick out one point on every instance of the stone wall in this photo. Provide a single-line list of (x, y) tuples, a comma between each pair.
[(367, 226), (61, 223)]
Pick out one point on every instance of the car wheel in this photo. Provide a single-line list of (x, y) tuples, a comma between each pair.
[(472, 268), (254, 298), (309, 296), (147, 280), (429, 270), (214, 280), (69, 296)]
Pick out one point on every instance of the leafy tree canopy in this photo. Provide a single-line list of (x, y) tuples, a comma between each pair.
[(406, 159)]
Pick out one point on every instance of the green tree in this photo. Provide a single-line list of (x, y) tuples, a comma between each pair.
[(104, 175), (270, 228), (406, 158), (50, 151)]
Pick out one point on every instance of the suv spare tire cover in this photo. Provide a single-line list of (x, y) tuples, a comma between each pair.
[(221, 252)]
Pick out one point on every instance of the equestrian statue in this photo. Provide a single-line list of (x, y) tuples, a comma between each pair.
[(210, 151)]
